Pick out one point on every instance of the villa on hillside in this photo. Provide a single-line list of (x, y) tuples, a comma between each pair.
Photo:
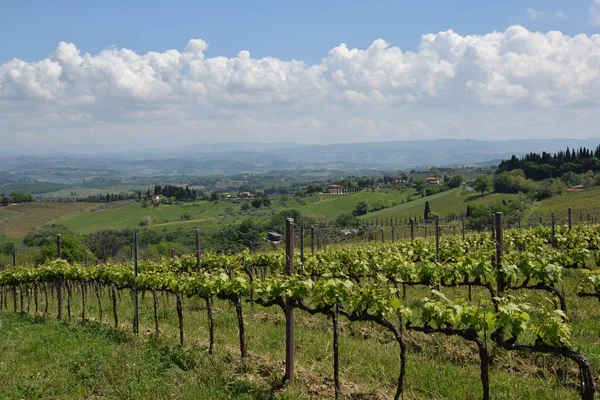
[(432, 180), (336, 189)]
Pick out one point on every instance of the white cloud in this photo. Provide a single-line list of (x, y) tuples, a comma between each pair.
[(533, 14), (560, 15), (594, 12), (184, 96)]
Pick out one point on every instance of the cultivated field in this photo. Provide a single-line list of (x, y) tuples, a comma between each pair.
[(30, 216)]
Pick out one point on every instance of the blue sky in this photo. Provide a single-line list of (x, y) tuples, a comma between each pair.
[(100, 75), (303, 30)]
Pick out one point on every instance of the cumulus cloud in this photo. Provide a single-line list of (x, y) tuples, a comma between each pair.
[(353, 94)]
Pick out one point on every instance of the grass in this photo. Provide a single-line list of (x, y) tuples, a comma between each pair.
[(586, 201), (444, 203), (43, 359), (5, 239), (438, 367), (212, 216), (331, 206), (6, 214), (133, 214)]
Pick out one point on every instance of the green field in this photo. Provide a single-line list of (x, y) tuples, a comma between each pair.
[(212, 216), (444, 203), (28, 217), (133, 214), (18, 220), (586, 201), (331, 206), (5, 239), (82, 192), (6, 214)]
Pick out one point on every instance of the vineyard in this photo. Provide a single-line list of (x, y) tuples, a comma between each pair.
[(507, 291)]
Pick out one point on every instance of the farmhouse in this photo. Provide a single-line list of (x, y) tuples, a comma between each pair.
[(335, 189), (432, 180), (577, 188)]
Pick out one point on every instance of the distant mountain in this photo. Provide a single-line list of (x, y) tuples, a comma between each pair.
[(234, 158)]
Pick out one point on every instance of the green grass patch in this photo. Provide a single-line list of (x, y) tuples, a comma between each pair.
[(444, 203), (6, 214), (55, 360), (4, 240), (585, 201)]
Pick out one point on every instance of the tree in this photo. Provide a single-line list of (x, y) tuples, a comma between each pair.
[(245, 206), (214, 196), (278, 221), (266, 201), (257, 202), (455, 181), (482, 183), (8, 248), (420, 186), (346, 220), (310, 189), (5, 201), (242, 235), (21, 197), (361, 208), (107, 243), (427, 211)]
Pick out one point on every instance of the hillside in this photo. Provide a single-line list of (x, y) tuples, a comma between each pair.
[(445, 203), (236, 158), (585, 201)]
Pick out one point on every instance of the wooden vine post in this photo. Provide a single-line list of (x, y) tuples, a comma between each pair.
[(553, 230), (570, 218), (412, 229), (312, 239), (302, 242), (463, 226), (499, 225), (289, 309), (437, 236), (136, 310), (14, 257), (198, 249), (393, 233), (59, 282)]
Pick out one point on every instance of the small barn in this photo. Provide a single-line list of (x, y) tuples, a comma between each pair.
[(274, 237)]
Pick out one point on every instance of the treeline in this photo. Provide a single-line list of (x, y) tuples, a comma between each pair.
[(31, 187), (15, 198), (545, 165), (109, 197), (178, 192)]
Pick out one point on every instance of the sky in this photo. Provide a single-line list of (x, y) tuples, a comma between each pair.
[(114, 75)]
